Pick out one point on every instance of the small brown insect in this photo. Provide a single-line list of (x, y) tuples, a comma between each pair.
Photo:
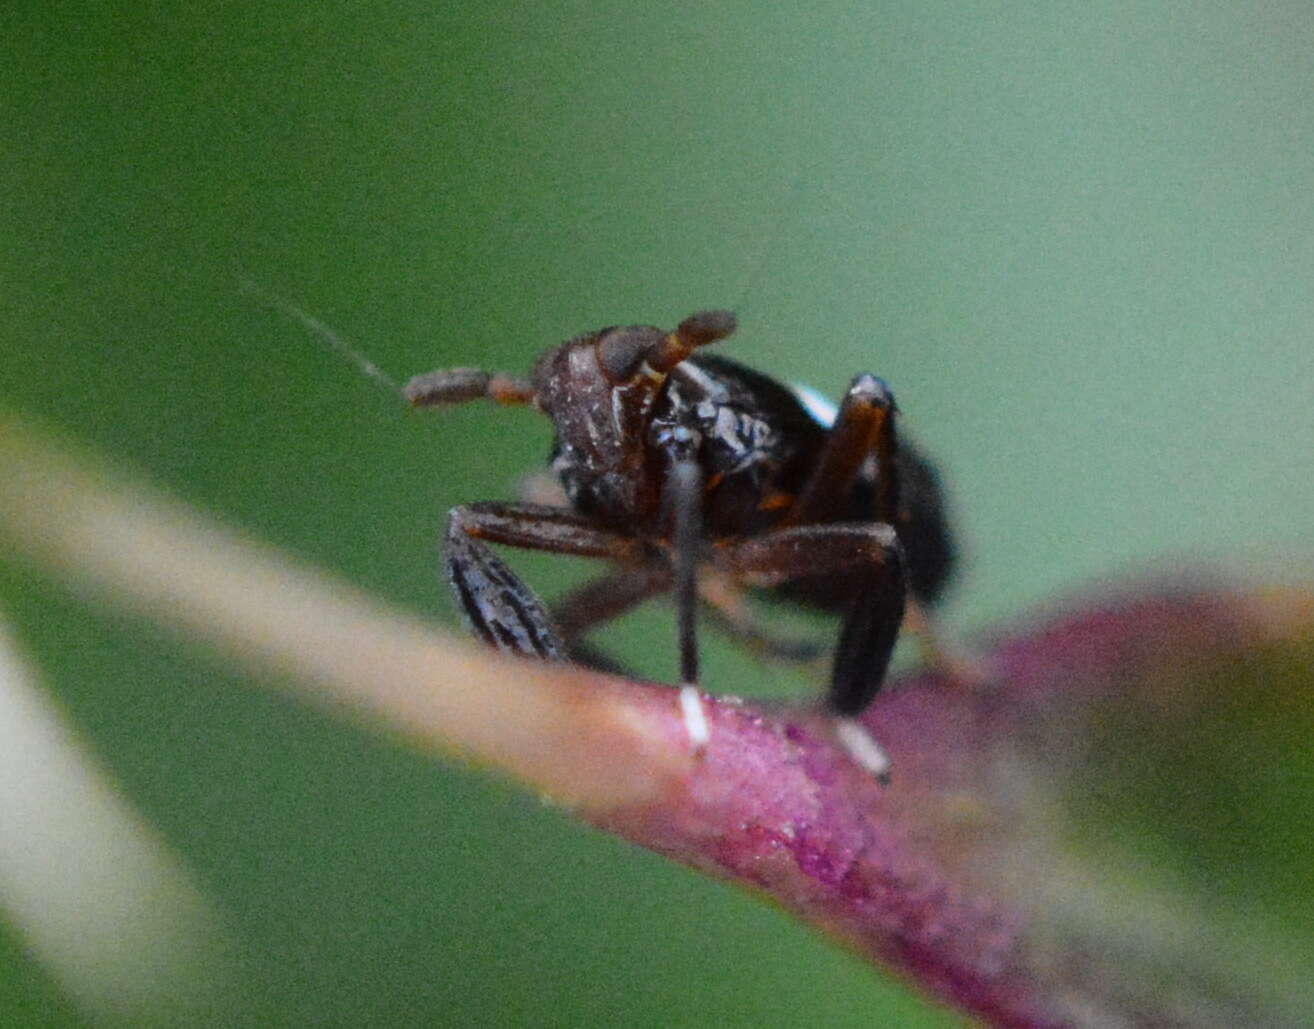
[(692, 473)]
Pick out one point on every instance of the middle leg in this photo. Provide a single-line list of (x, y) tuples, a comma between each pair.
[(727, 607), (600, 600)]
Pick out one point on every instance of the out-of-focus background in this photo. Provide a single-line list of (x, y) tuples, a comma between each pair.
[(1077, 239)]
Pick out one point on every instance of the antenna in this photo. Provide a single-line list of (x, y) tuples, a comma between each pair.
[(325, 335), (788, 213)]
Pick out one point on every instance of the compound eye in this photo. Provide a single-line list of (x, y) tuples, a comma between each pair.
[(621, 352)]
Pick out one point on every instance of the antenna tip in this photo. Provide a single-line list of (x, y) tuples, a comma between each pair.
[(706, 327)]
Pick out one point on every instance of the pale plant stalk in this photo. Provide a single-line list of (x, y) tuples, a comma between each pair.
[(96, 896), (328, 641)]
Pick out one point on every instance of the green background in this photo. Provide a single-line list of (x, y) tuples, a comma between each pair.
[(1077, 238)]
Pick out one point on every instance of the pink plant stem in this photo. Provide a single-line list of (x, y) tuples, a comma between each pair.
[(903, 874)]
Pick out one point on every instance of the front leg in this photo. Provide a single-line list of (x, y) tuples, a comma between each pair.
[(871, 624), (499, 608), (907, 495)]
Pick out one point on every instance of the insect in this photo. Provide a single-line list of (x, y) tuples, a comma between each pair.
[(692, 473)]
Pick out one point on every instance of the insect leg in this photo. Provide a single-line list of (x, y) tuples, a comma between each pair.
[(725, 604), (863, 429), (500, 609), (907, 495), (600, 600), (607, 597), (682, 502), (871, 626), (684, 495)]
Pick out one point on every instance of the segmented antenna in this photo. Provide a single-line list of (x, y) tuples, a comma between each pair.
[(325, 335)]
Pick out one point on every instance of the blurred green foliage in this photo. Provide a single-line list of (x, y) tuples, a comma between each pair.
[(1077, 240)]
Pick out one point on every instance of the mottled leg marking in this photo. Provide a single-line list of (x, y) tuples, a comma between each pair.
[(499, 608), (496, 605)]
